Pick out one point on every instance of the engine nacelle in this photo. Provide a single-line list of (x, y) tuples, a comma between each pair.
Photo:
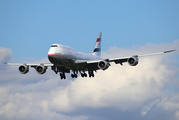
[(133, 61), (23, 69), (103, 65), (41, 69)]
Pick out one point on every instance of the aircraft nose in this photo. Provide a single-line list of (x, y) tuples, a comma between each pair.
[(52, 58)]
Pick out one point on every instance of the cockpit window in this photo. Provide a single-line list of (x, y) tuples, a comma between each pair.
[(54, 46)]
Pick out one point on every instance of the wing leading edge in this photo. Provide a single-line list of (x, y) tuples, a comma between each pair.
[(29, 64)]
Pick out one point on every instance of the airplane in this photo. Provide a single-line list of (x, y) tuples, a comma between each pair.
[(64, 59)]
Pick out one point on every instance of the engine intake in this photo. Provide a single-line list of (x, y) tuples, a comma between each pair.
[(103, 65), (133, 61), (23, 69), (41, 69)]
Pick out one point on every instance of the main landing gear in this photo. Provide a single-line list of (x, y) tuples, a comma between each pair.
[(63, 70), (62, 75), (83, 74), (74, 75), (91, 74)]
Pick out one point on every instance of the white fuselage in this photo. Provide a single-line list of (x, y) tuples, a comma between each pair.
[(60, 55)]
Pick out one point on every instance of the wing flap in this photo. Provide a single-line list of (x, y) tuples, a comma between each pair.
[(120, 61), (88, 61)]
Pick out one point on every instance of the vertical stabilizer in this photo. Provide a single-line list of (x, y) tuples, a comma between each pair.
[(97, 48)]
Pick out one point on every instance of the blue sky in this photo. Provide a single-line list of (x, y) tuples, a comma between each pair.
[(30, 27)]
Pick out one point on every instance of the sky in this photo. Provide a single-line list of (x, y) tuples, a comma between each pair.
[(148, 91), (30, 27)]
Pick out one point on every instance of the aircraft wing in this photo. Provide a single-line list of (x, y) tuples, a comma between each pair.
[(156, 53), (124, 59), (30, 64), (119, 60)]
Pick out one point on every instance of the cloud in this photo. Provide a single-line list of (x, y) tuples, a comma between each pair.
[(5, 54), (127, 92)]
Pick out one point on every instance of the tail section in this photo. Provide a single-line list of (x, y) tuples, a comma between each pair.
[(97, 48)]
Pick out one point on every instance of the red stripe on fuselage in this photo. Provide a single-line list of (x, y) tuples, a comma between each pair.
[(57, 54)]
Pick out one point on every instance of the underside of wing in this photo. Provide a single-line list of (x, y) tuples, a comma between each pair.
[(24, 67)]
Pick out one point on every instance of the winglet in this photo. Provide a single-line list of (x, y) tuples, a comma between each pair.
[(97, 48)]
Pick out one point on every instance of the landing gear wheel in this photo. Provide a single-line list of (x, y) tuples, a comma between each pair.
[(82, 75), (85, 75), (62, 75), (74, 75), (91, 74)]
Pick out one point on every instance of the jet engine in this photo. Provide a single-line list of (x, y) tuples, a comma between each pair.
[(23, 69), (103, 65), (133, 61), (41, 69)]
